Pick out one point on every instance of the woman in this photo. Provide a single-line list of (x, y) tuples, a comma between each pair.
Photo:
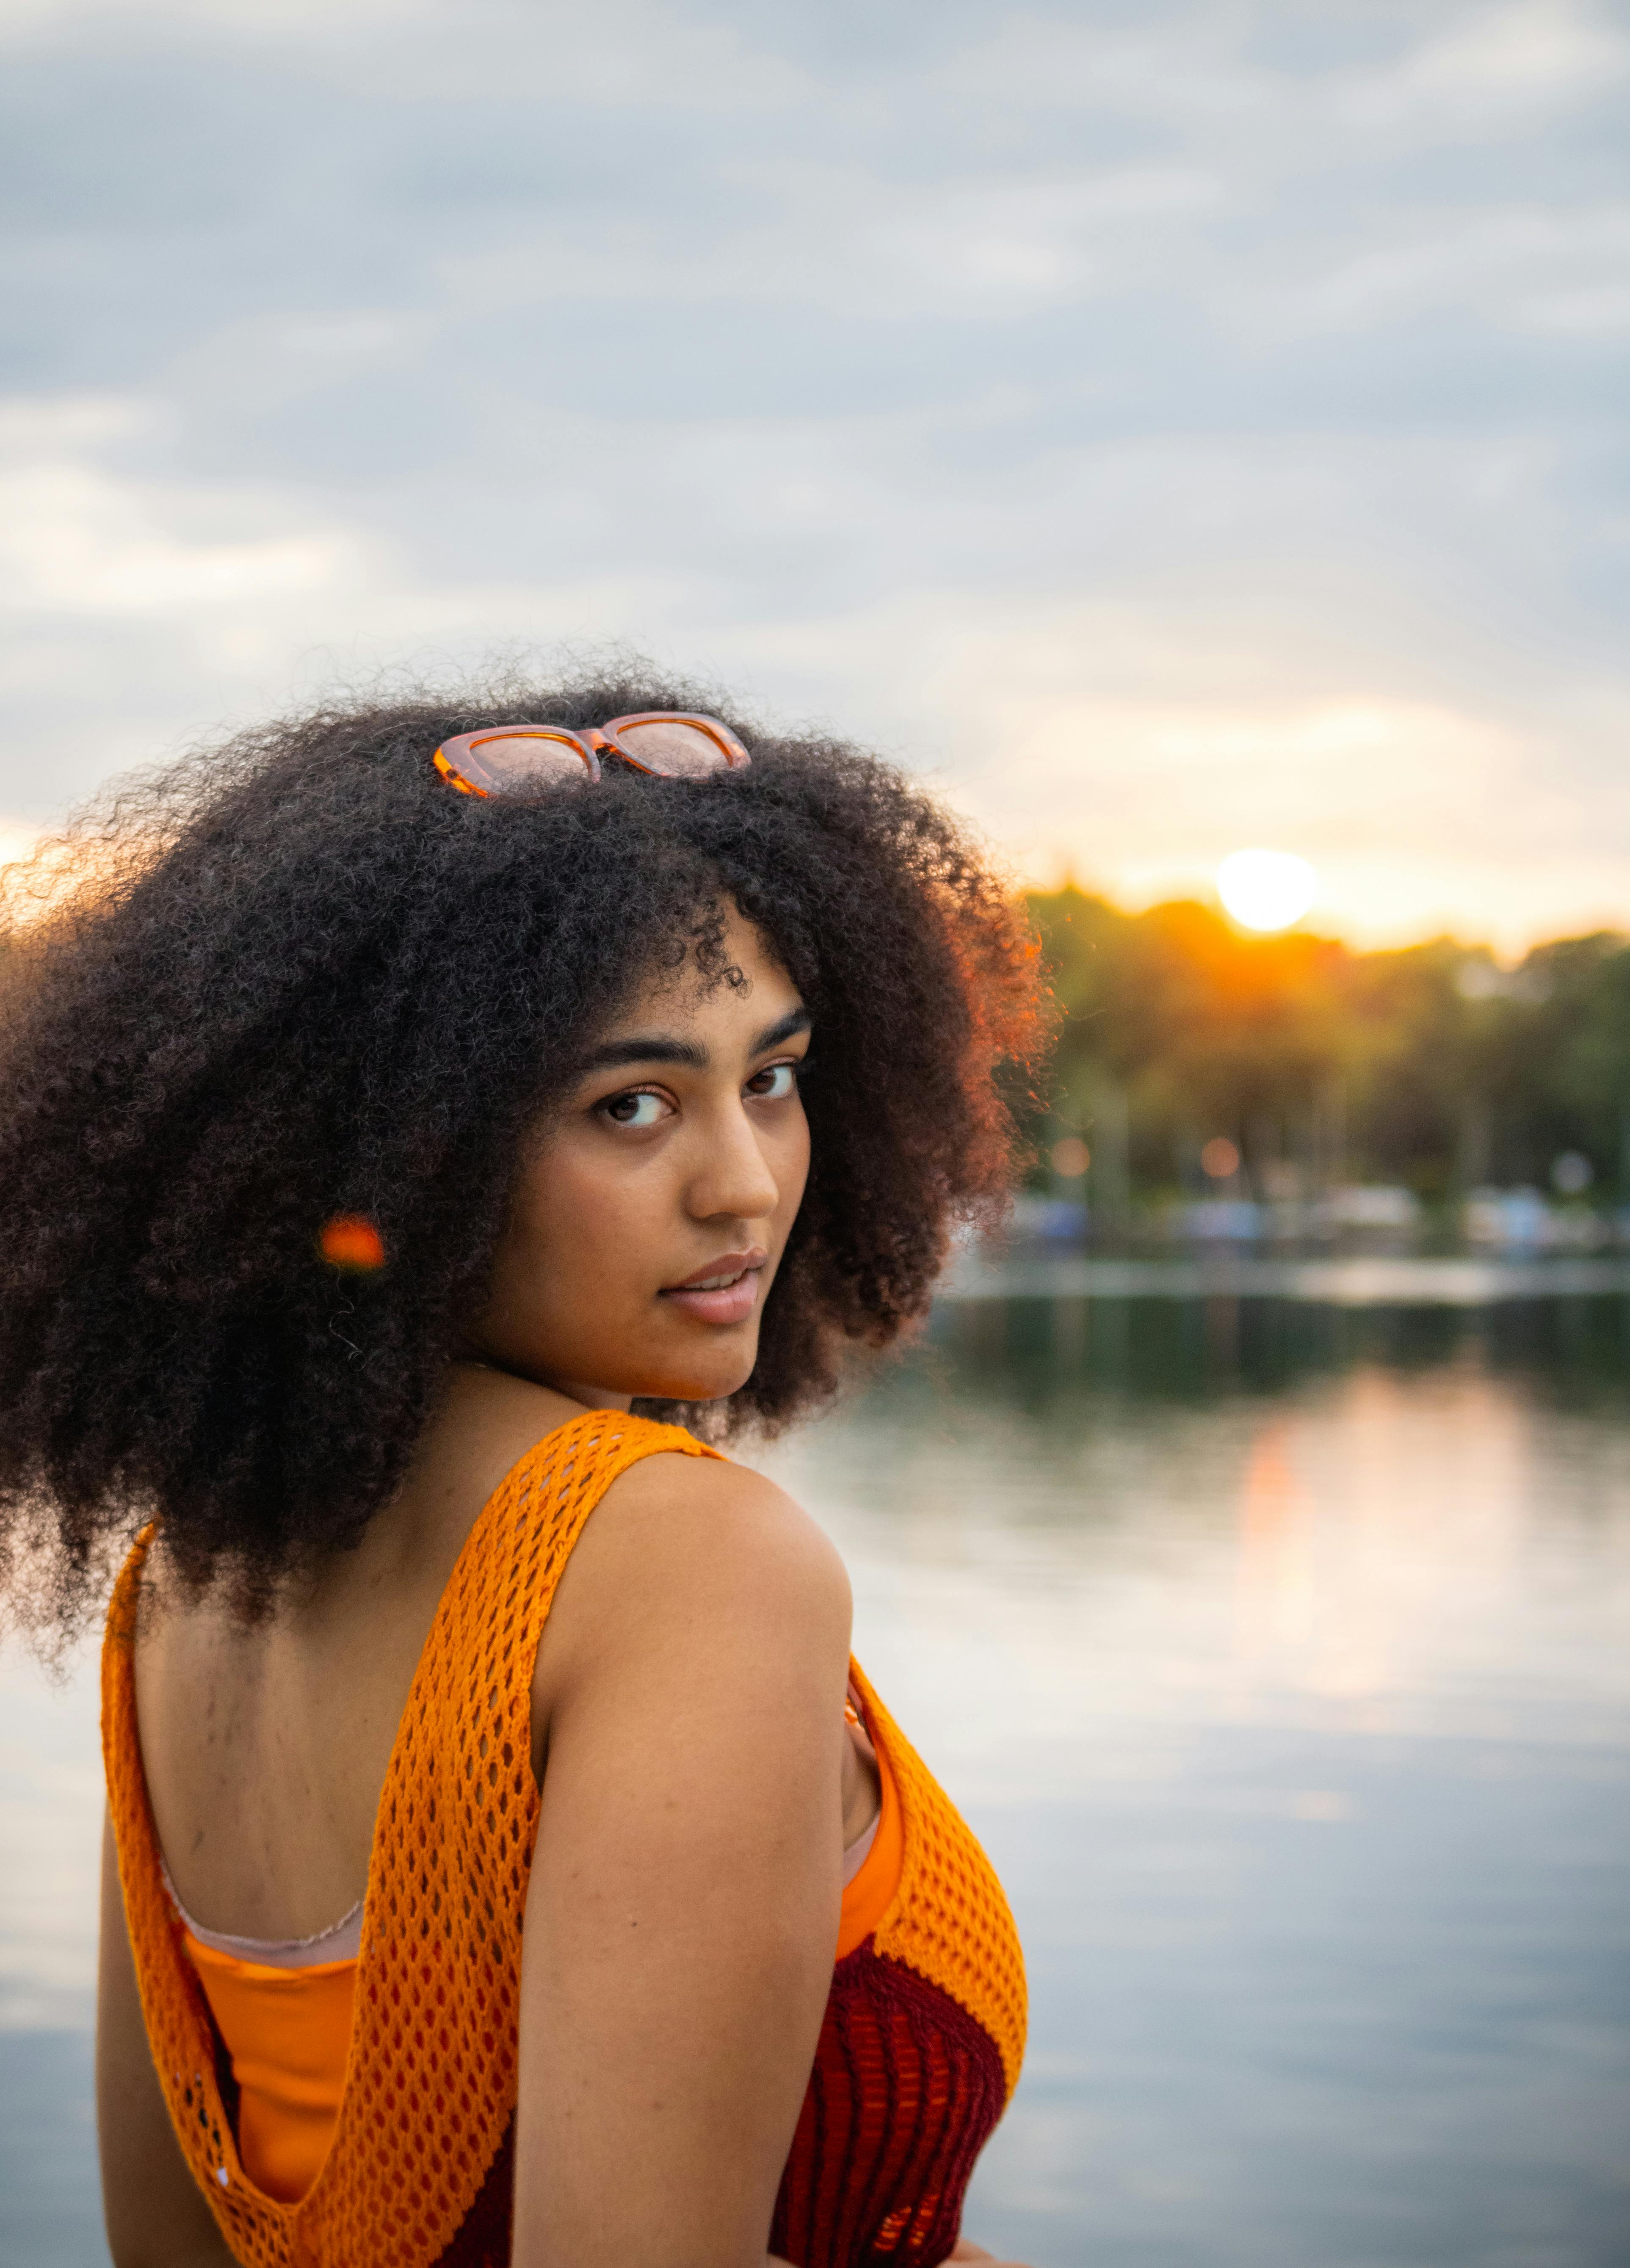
[(418, 1110)]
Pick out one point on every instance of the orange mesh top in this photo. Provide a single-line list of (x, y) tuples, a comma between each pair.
[(430, 2074), (286, 2031)]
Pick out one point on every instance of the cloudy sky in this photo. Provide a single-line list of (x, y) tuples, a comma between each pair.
[(1177, 428)]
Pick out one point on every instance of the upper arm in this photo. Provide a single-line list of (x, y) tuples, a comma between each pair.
[(156, 2217), (683, 1913)]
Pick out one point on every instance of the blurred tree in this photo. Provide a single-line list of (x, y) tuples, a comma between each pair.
[(1429, 1065)]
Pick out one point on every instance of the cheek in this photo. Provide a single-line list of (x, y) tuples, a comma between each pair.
[(579, 1209), (792, 1167)]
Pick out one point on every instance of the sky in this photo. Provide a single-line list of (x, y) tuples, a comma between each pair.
[(1170, 428)]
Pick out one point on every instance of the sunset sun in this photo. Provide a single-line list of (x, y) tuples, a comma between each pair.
[(1266, 889)]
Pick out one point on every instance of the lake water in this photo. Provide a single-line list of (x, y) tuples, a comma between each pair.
[(1277, 1649)]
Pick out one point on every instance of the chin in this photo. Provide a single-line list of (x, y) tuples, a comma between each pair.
[(701, 1382), (691, 1389)]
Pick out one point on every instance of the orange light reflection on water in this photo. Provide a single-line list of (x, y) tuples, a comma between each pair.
[(1371, 1527)]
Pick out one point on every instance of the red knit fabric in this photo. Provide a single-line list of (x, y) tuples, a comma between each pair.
[(906, 2090), (483, 2237)]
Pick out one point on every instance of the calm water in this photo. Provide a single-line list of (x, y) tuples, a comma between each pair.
[(1278, 1652)]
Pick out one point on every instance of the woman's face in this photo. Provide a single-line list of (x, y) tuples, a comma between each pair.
[(648, 1220)]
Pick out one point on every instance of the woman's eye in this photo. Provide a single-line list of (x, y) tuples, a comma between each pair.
[(639, 1110), (775, 1084)]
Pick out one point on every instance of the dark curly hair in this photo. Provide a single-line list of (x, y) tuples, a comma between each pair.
[(300, 977)]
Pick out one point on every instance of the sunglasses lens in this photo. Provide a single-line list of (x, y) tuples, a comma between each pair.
[(674, 749), (509, 763)]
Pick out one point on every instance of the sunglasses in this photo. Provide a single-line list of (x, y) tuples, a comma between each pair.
[(510, 759)]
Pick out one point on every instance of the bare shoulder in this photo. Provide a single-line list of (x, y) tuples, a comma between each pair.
[(682, 1508), (696, 1549)]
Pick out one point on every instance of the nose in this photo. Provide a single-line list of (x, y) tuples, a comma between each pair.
[(732, 1176)]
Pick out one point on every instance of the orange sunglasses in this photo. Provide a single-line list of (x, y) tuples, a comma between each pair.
[(509, 758)]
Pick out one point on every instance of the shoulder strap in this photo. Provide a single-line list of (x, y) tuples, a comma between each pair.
[(430, 2076)]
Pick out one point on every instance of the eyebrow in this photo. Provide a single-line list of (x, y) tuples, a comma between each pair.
[(657, 1047)]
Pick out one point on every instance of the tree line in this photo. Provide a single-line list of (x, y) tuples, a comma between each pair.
[(1183, 1040)]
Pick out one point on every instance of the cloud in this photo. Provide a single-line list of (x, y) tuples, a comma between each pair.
[(1526, 268), (1108, 742), (850, 242), (72, 541), (627, 54), (1489, 65)]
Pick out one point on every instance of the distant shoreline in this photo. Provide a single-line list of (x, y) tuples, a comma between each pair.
[(1352, 1280)]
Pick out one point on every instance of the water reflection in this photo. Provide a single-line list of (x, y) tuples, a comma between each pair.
[(1044, 1351), (1277, 1652)]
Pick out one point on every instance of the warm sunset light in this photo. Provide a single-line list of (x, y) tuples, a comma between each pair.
[(1266, 889)]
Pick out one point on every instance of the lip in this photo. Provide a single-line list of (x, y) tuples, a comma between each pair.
[(733, 1302)]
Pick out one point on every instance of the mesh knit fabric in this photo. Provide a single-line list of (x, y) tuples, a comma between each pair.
[(923, 2034)]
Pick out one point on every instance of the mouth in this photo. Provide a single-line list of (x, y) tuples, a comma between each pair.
[(725, 1290)]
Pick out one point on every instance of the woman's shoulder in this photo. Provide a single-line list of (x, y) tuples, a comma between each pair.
[(683, 1511), (703, 1556)]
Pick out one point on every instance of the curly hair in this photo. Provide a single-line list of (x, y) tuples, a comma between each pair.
[(302, 978)]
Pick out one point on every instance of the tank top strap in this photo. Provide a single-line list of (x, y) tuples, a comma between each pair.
[(430, 2076)]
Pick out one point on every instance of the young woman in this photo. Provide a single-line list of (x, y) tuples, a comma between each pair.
[(420, 1114)]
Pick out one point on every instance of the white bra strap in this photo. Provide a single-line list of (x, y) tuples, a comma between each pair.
[(341, 1940)]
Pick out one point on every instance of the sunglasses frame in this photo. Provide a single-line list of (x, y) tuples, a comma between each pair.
[(458, 760)]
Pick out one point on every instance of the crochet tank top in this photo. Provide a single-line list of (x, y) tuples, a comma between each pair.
[(920, 2047)]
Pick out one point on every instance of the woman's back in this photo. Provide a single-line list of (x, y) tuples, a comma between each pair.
[(265, 1743)]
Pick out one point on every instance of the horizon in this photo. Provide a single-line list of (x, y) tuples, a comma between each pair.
[(1309, 925), (18, 843)]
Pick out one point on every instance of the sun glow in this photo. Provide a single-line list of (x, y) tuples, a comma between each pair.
[(1266, 889)]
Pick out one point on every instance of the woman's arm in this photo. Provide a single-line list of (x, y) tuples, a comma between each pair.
[(683, 1906), (155, 2216)]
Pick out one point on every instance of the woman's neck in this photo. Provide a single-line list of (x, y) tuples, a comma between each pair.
[(572, 1389)]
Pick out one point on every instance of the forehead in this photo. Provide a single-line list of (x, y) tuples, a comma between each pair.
[(687, 997)]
